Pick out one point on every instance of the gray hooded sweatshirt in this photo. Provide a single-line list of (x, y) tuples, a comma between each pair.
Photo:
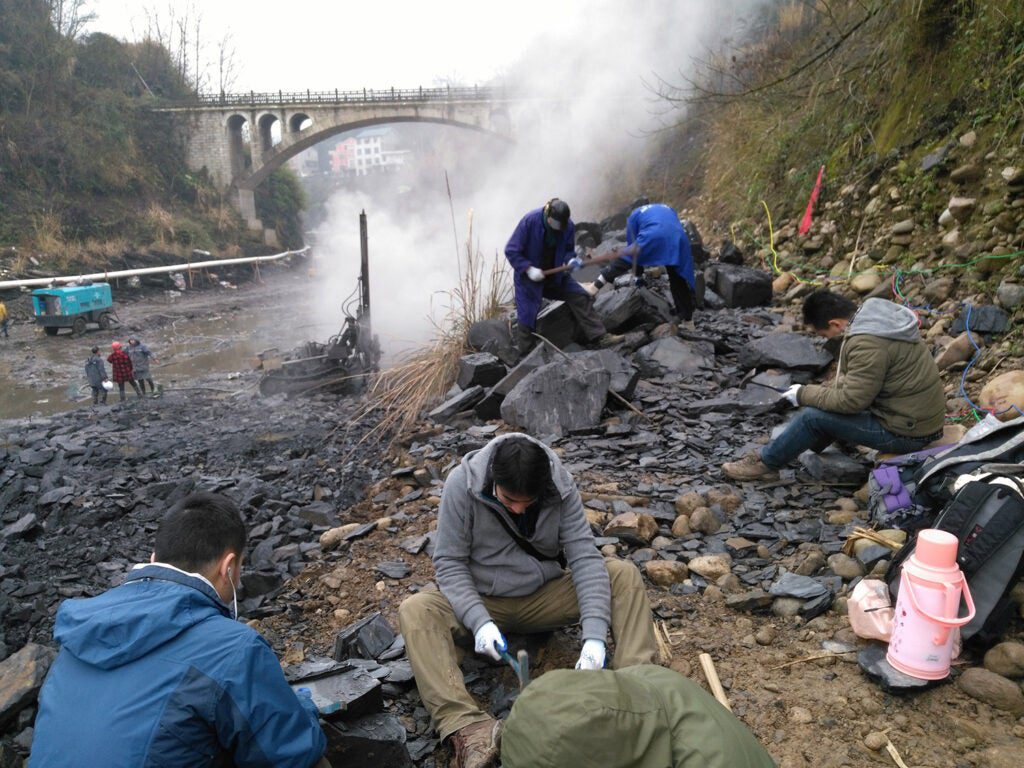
[(885, 368), (475, 555)]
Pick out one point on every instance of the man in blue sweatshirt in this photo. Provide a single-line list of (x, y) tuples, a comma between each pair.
[(510, 522), (656, 238), (158, 671)]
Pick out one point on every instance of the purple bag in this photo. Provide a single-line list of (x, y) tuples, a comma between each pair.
[(890, 501)]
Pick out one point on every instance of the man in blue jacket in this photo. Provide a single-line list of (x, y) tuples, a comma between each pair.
[(655, 238), (158, 672), (545, 238)]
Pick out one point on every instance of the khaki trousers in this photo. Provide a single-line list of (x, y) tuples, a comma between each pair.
[(428, 624)]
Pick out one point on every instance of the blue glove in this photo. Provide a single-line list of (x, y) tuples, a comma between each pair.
[(575, 263)]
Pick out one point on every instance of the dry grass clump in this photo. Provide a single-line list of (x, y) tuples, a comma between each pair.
[(401, 393), (161, 224)]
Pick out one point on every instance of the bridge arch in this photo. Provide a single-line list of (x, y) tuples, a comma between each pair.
[(280, 153)]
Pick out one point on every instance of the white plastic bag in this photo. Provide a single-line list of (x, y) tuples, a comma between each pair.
[(870, 610)]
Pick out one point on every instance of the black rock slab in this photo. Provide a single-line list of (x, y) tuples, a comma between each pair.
[(494, 336), (740, 286), (625, 308), (673, 355), (366, 638), (834, 467), (461, 402), (346, 693), (480, 368), (784, 350), (374, 740), (794, 585), (873, 663), (556, 323), (983, 320)]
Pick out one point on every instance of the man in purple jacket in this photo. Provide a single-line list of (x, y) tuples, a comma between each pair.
[(546, 238)]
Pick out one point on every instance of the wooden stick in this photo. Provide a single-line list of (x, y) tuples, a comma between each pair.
[(708, 666), (663, 649), (811, 658), (894, 754)]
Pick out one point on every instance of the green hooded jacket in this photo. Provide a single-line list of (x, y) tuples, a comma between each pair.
[(884, 368), (638, 717)]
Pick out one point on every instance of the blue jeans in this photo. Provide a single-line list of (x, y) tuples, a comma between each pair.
[(815, 430)]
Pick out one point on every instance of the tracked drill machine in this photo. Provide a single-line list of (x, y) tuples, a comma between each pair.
[(348, 358)]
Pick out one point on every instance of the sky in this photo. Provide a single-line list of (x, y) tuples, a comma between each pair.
[(349, 45)]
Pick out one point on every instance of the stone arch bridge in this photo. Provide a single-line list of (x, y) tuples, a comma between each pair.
[(214, 126)]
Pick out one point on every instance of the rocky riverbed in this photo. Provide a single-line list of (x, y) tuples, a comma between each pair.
[(340, 525)]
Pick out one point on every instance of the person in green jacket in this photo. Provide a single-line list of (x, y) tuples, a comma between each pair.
[(643, 716), (887, 393)]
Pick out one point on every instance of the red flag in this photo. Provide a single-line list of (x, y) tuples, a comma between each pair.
[(805, 222)]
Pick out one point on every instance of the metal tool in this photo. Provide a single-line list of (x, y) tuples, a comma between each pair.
[(780, 390), (520, 665)]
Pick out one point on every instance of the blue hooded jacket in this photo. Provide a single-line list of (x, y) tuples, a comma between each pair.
[(524, 250), (662, 240), (156, 673)]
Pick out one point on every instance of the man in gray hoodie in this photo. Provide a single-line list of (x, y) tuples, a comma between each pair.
[(887, 393), (510, 520)]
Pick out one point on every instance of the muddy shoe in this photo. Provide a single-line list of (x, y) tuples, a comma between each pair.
[(476, 745), (687, 325), (750, 467), (608, 340)]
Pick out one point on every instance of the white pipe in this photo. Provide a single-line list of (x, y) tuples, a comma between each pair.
[(47, 281)]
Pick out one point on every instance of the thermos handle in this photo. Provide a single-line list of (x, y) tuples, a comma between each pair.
[(951, 623)]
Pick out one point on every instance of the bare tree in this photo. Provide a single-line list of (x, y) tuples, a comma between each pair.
[(69, 17), (226, 63)]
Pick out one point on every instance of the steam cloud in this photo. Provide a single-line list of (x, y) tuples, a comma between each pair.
[(590, 114)]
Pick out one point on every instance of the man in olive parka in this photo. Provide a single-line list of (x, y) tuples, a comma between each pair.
[(886, 395)]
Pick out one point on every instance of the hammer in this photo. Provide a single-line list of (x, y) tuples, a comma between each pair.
[(610, 256)]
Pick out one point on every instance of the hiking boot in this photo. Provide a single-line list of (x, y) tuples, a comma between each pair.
[(476, 745), (608, 340), (687, 325), (750, 467)]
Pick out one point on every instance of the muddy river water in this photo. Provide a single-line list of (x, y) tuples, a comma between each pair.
[(201, 338)]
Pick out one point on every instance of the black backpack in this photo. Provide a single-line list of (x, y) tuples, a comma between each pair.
[(988, 520), (988, 443), (907, 491)]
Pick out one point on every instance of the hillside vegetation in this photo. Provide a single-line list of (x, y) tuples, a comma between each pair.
[(88, 174)]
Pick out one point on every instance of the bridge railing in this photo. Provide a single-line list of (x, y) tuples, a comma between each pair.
[(365, 96)]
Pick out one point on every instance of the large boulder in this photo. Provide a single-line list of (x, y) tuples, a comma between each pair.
[(1004, 395), (626, 308), (556, 398), (740, 286), (985, 319), (490, 406), (673, 355), (624, 374), (792, 351)]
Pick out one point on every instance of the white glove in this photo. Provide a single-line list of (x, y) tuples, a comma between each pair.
[(575, 263), (592, 655), (590, 288), (536, 274), (792, 394), (490, 641)]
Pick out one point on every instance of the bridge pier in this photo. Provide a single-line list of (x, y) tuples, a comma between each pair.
[(245, 203)]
